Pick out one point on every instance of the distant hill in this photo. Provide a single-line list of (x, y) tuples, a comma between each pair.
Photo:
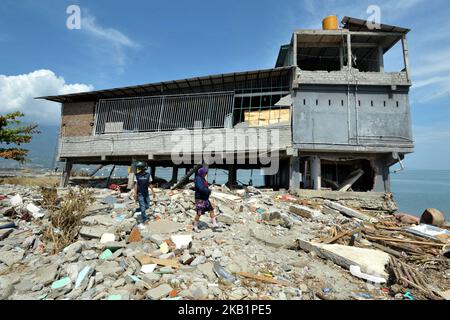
[(42, 150)]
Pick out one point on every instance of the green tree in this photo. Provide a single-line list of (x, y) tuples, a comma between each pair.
[(14, 134)]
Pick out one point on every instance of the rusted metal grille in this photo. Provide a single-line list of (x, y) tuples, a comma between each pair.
[(163, 113)]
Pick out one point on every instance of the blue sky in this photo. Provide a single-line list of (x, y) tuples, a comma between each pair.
[(133, 42)]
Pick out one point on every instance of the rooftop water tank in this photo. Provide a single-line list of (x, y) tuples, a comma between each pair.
[(330, 23)]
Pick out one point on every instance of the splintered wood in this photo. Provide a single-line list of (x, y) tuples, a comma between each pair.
[(145, 259), (409, 277), (262, 278)]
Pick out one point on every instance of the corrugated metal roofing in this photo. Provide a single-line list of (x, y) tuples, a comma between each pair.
[(182, 86)]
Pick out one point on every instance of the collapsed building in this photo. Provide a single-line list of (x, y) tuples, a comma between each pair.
[(341, 121)]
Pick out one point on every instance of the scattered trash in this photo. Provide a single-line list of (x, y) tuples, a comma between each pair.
[(356, 271), (107, 237), (16, 200), (106, 254), (35, 211), (148, 268), (182, 241), (409, 296), (223, 274)]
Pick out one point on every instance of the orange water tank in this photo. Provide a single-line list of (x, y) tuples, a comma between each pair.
[(330, 23)]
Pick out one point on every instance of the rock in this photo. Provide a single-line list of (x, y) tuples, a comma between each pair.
[(114, 245), (99, 277), (23, 286), (304, 211), (268, 239), (37, 287), (151, 278), (162, 227), (11, 257), (135, 236), (216, 254), (89, 254), (157, 239), (225, 219), (73, 249), (119, 283), (165, 270), (159, 292), (207, 269), (304, 288), (72, 271), (186, 258), (45, 275), (198, 292), (94, 232), (109, 268), (198, 260), (238, 294)]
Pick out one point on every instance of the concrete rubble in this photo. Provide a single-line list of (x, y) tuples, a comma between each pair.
[(270, 245)]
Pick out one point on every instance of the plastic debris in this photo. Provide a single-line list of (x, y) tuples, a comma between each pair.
[(148, 268), (106, 254)]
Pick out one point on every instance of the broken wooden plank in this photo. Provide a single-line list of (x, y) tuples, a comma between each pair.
[(352, 178), (349, 212), (387, 250), (405, 241), (341, 235), (261, 278), (145, 259)]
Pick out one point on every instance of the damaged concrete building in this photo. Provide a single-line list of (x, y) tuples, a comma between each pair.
[(342, 120)]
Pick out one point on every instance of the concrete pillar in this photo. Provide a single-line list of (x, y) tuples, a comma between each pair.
[(405, 55), (380, 59), (174, 174), (382, 182), (66, 174), (294, 172), (349, 52), (316, 173), (232, 175), (153, 172)]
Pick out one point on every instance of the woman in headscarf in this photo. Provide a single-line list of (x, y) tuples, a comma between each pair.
[(202, 193)]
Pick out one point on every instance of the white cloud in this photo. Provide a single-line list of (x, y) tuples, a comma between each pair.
[(89, 24), (109, 43), (17, 93)]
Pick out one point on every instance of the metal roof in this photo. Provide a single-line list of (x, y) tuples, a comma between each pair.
[(190, 85), (355, 24)]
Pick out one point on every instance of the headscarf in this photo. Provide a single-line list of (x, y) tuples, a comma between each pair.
[(202, 172)]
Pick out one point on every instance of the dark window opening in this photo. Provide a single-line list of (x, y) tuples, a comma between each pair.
[(371, 103), (342, 102), (397, 104), (334, 174), (384, 103), (329, 103), (317, 102)]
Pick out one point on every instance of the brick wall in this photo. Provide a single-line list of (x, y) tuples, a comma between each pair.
[(77, 119)]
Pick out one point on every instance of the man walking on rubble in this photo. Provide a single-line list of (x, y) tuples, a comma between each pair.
[(143, 181), (202, 203)]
